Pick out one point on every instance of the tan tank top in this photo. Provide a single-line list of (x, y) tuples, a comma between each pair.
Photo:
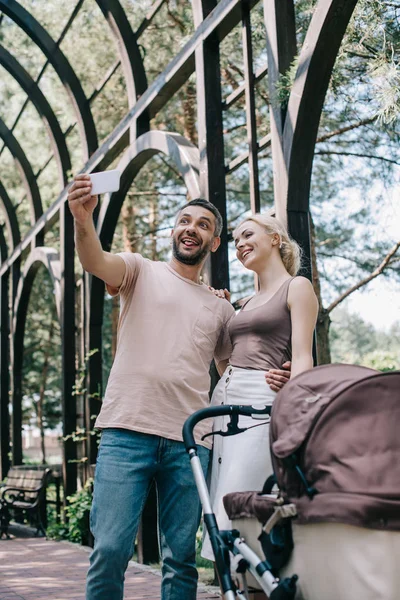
[(261, 336)]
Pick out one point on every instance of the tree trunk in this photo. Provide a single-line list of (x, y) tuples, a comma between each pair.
[(323, 321), (128, 225), (323, 344), (153, 224), (40, 409), (189, 113)]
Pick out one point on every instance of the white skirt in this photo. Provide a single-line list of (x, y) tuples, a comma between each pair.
[(240, 462)]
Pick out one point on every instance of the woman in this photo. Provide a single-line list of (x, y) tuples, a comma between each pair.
[(273, 326)]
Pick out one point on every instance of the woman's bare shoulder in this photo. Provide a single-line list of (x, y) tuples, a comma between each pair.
[(300, 283), (301, 290)]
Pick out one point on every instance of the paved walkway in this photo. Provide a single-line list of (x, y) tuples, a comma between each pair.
[(38, 569)]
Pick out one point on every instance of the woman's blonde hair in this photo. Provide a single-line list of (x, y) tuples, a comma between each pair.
[(289, 250)]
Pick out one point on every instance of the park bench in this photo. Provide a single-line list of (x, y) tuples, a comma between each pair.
[(23, 492)]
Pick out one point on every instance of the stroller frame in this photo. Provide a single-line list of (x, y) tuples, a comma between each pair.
[(223, 542)]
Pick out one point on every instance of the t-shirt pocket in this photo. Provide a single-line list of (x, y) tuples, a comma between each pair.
[(207, 328)]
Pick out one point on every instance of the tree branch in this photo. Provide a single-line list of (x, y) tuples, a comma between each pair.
[(349, 258), (378, 271), (234, 128), (359, 155), (341, 130), (155, 193), (359, 55)]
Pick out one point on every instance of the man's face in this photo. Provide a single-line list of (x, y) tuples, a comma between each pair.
[(194, 235)]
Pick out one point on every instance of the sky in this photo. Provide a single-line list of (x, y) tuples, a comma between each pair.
[(378, 304), (379, 301)]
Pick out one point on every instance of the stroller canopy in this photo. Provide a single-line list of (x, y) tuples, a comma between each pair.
[(335, 445)]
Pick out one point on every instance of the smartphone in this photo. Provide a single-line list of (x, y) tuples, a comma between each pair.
[(105, 181)]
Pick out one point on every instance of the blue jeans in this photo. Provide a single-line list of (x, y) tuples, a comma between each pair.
[(127, 464)]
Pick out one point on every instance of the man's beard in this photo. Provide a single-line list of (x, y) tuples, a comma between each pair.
[(195, 258)]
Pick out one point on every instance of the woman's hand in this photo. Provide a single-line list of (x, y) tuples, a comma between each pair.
[(223, 294)]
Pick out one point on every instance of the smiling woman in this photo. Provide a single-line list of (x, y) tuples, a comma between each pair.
[(273, 327), (289, 250)]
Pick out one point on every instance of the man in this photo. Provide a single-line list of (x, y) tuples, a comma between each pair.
[(170, 328)]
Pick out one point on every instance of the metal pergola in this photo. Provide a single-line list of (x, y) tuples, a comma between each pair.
[(203, 169)]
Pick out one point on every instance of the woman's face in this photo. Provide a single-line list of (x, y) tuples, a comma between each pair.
[(254, 245)]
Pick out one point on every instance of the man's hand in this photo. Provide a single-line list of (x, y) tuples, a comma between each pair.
[(276, 378), (81, 203), (224, 294)]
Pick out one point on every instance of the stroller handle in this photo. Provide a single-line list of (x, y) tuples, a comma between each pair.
[(216, 411)]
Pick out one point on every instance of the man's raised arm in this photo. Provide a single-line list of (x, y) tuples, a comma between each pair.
[(108, 267)]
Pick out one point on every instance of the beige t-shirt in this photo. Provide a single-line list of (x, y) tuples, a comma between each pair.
[(169, 330)]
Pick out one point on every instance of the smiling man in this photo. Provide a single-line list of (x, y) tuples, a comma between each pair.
[(171, 326)]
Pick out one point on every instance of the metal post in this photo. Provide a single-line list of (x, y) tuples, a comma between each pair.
[(4, 376), (68, 348), (211, 141)]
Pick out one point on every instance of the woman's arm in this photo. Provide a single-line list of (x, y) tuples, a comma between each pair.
[(303, 306)]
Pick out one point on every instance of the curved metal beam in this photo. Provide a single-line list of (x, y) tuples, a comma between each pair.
[(39, 100), (57, 59), (182, 152), (3, 246), (25, 168), (40, 255), (4, 371), (11, 218), (317, 58), (50, 259), (131, 59)]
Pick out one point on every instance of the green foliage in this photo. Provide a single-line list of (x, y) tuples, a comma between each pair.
[(355, 341), (41, 372), (76, 529), (382, 360), (77, 513), (80, 434)]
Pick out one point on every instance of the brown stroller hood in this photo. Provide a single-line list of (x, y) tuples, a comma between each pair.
[(335, 444)]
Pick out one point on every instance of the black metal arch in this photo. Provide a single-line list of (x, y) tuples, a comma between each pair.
[(182, 152), (57, 59), (294, 131), (292, 139), (39, 100), (4, 361), (3, 246), (40, 256), (10, 217), (316, 61), (27, 173), (131, 59), (14, 239)]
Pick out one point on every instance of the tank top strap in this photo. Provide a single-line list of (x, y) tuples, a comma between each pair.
[(245, 302), (284, 291)]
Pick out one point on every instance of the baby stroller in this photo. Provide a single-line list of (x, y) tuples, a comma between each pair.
[(335, 448), (225, 542)]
